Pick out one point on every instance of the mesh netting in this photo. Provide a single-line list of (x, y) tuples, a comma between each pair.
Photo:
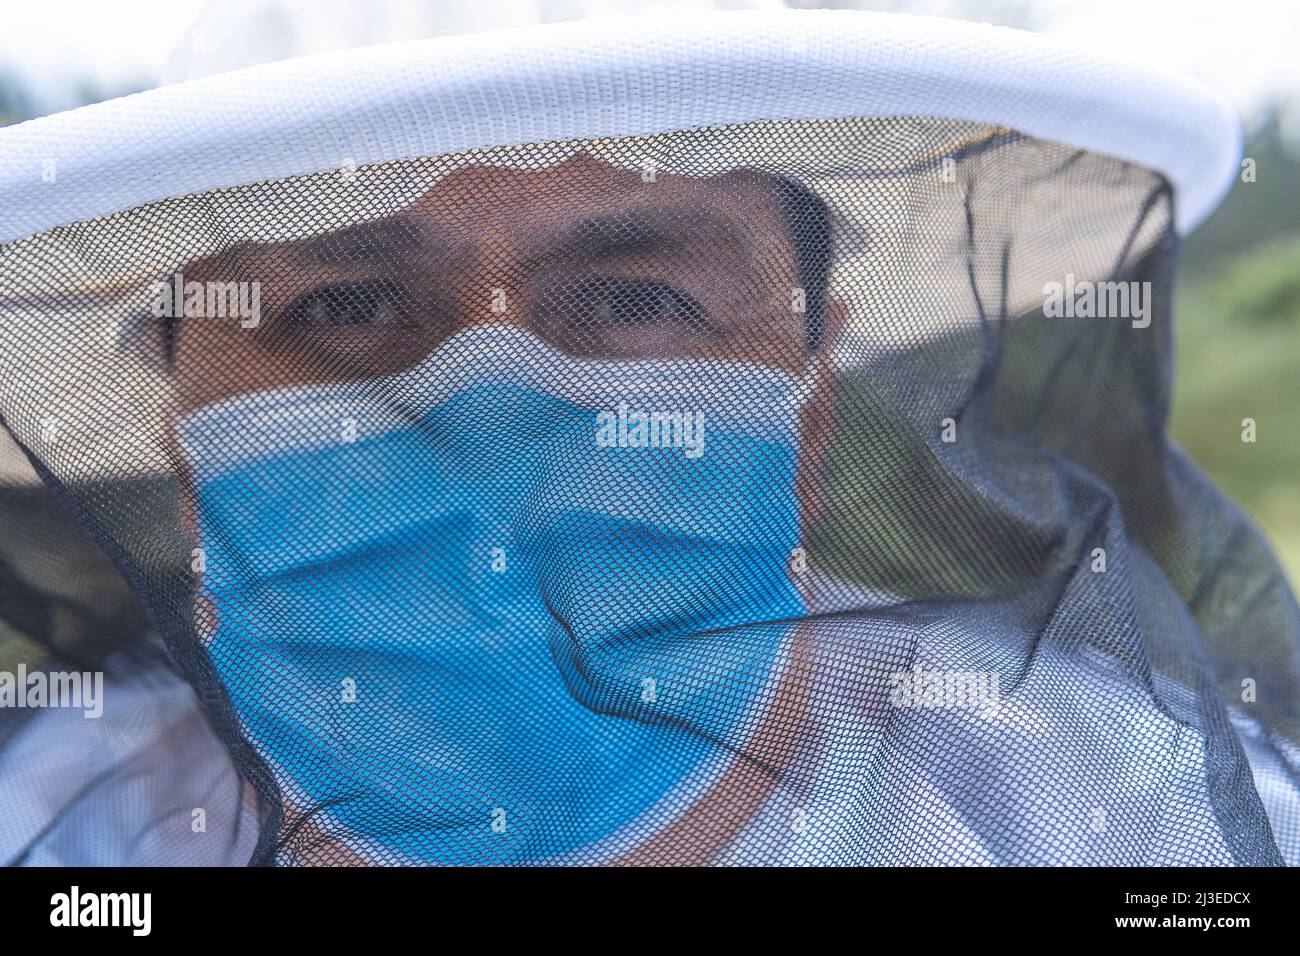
[(740, 495)]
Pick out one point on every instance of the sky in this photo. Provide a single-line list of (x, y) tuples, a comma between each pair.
[(1245, 49)]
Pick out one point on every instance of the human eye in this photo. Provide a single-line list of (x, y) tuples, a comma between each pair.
[(634, 302), (612, 316), (348, 304)]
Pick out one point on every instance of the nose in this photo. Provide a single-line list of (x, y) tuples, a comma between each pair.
[(473, 216)]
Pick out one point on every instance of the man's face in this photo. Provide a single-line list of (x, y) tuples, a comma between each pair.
[(591, 257), (594, 259)]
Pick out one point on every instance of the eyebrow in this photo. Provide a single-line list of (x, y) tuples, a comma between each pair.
[(648, 227), (369, 243)]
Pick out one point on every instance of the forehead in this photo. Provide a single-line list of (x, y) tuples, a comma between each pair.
[(583, 183), (582, 207)]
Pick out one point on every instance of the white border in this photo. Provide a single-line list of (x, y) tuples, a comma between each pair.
[(607, 78)]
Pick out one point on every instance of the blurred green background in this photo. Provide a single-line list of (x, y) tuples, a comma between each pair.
[(1237, 339)]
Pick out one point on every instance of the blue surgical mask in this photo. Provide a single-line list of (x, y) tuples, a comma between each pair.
[(509, 605)]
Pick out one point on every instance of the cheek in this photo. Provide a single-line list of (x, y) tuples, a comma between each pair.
[(222, 361), (208, 366), (767, 325), (775, 348)]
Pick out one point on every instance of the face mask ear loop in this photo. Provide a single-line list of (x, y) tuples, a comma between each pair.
[(794, 401)]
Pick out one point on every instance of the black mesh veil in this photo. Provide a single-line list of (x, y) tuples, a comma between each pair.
[(787, 492)]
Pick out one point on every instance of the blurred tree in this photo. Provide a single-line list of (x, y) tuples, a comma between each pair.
[(14, 104), (1237, 339), (1253, 212)]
